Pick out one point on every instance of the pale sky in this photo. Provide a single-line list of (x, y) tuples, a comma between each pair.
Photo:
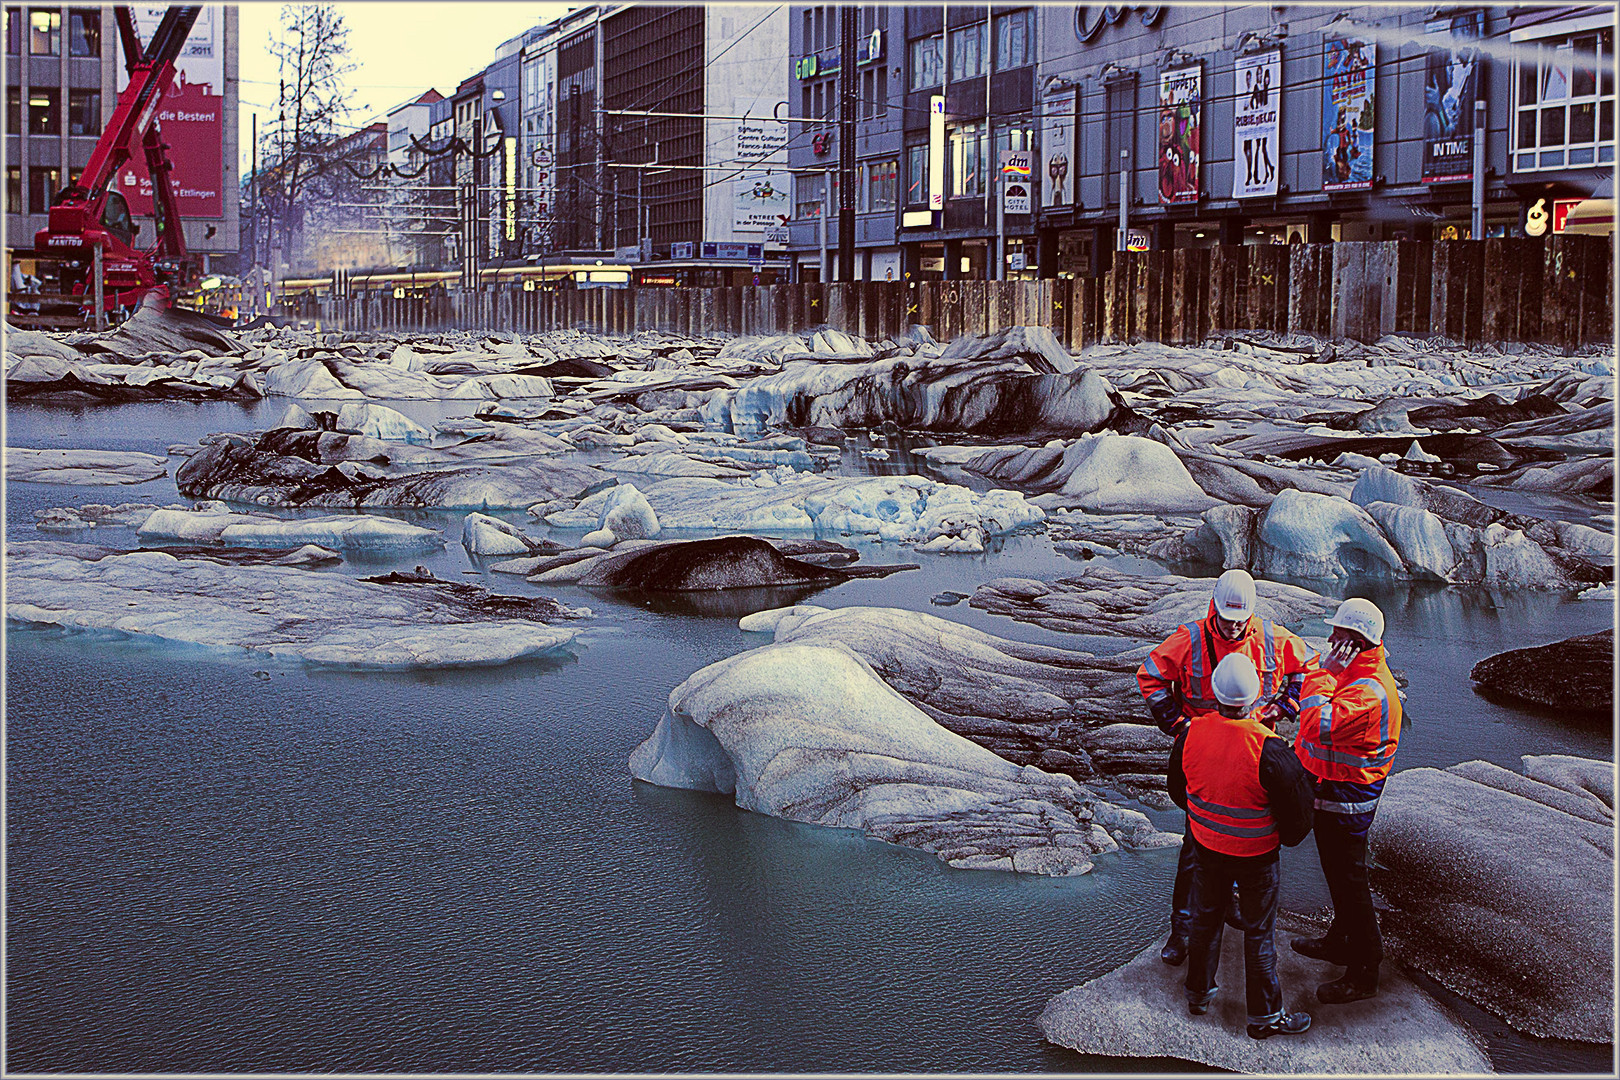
[(403, 48)]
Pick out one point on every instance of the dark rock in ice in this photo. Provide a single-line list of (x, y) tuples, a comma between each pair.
[(296, 467), (728, 562), (1501, 887), (474, 602), (947, 598), (1574, 675), (1035, 346), (1489, 411), (1463, 451), (157, 329), (573, 367)]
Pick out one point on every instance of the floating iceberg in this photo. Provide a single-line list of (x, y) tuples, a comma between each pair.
[(82, 467), (217, 524), (812, 733), (277, 611)]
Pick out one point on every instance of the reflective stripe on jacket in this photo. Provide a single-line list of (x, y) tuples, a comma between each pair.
[(1184, 663), (1350, 723), (1228, 809)]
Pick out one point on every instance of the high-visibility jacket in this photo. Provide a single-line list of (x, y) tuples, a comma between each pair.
[(1176, 677), (1228, 808), (1350, 722)]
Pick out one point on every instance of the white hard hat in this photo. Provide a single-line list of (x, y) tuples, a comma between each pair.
[(1235, 681), (1234, 595), (1362, 616)]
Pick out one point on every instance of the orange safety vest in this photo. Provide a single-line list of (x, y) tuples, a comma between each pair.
[(1350, 723), (1227, 808), (1187, 659)]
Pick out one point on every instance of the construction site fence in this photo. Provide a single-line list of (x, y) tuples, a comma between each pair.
[(1556, 290)]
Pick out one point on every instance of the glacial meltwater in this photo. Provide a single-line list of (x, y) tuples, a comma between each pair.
[(219, 863)]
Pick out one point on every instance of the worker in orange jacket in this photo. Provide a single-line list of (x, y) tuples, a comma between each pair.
[(1176, 682), (1349, 726), (1245, 795)]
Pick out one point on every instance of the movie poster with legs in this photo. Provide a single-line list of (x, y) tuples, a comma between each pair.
[(1181, 99), (1256, 158), (1349, 65)]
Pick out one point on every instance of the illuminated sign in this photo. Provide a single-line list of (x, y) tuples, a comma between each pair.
[(511, 188), (1560, 214), (805, 68), (1091, 19), (936, 152), (870, 49), (1015, 181)]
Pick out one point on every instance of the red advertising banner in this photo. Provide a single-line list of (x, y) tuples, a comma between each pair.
[(192, 117)]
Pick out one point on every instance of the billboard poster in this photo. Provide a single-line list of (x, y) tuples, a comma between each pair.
[(192, 117), (1451, 80), (1181, 98), (759, 202), (1348, 81), (1015, 181), (1255, 125), (1057, 149)]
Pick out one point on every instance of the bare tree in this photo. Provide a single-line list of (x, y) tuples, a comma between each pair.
[(313, 107)]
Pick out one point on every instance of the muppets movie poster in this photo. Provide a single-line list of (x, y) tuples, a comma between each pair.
[(1181, 95)]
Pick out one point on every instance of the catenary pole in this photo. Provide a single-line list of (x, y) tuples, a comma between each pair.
[(846, 142)]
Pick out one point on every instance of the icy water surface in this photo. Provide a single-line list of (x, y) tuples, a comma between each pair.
[(218, 863)]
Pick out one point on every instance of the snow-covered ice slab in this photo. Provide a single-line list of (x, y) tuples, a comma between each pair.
[(894, 508), (1140, 1011), (278, 611), (217, 524), (83, 467), (811, 733), (1501, 886)]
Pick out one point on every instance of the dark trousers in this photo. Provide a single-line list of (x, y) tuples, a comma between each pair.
[(1181, 894), (1257, 880), (1341, 842)]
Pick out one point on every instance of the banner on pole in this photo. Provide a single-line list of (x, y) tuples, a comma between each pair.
[(1181, 98), (1255, 125), (1348, 69), (1057, 148), (1451, 81)]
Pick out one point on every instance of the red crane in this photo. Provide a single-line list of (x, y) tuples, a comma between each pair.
[(91, 215)]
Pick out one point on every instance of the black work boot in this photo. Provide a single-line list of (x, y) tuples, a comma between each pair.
[(1174, 952), (1321, 948), (1353, 986), (1286, 1024)]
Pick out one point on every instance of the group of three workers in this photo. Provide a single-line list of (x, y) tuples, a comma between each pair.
[(1218, 686)]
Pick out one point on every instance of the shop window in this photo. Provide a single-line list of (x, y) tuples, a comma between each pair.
[(883, 182), (1565, 103), (807, 195), (84, 112), (967, 159), (44, 111), (43, 184), (84, 32), (44, 32), (967, 52), (917, 175), (926, 68), (1013, 40)]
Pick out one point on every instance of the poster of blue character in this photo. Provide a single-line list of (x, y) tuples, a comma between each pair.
[(1348, 82), (1451, 80)]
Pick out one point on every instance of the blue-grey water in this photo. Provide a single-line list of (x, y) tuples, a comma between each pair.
[(218, 863)]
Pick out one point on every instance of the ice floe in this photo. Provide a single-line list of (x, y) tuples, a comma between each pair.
[(1140, 1011), (216, 523), (285, 612), (811, 732), (82, 467), (1500, 886)]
